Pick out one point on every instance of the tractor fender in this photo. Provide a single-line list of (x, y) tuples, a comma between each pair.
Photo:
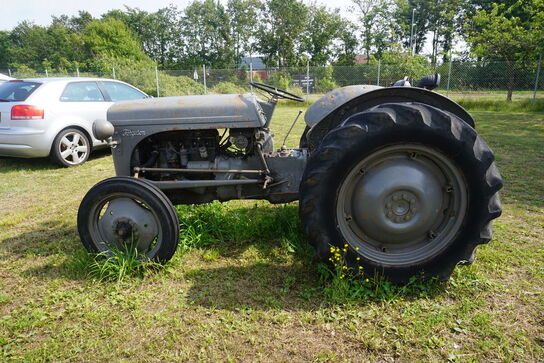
[(334, 107)]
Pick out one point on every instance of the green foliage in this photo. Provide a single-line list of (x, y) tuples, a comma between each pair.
[(179, 86), (395, 66), (325, 79), (323, 38), (511, 33), (110, 41), (227, 88), (115, 266), (206, 33), (343, 284), (376, 19), (279, 36), (280, 79), (22, 70)]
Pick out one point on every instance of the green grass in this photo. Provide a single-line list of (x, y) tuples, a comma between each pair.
[(244, 285)]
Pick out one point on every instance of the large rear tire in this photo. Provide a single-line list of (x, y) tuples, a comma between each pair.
[(410, 188), (123, 212)]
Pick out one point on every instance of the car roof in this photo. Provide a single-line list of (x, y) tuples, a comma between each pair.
[(66, 79)]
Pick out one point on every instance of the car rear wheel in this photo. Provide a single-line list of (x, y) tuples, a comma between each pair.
[(70, 148)]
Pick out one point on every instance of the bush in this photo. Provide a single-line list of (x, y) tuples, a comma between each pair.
[(280, 79), (324, 81), (227, 88), (178, 86)]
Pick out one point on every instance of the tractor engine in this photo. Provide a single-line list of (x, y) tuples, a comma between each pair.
[(237, 163)]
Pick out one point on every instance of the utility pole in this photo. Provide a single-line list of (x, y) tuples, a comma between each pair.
[(412, 42)]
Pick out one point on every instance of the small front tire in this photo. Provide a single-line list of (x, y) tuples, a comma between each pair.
[(124, 212)]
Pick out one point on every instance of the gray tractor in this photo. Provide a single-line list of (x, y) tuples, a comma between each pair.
[(398, 173)]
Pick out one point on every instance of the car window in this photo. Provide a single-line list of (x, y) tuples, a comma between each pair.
[(82, 92), (120, 92), (16, 91)]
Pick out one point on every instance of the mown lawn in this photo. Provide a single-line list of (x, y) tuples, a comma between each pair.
[(244, 286)]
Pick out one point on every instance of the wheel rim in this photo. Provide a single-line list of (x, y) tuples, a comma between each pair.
[(402, 205), (73, 148), (122, 220)]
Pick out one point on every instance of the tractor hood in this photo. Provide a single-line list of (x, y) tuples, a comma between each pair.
[(190, 112)]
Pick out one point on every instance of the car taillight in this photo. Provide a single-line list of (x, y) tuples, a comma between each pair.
[(26, 112)]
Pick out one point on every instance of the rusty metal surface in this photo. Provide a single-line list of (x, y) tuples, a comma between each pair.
[(324, 116), (190, 112), (176, 170), (189, 184), (332, 100)]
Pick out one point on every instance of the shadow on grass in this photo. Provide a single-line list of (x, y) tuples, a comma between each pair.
[(11, 164), (269, 263)]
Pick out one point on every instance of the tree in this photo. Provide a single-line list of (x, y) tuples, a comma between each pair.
[(498, 34), (375, 19), (322, 39), (243, 16), (158, 32), (279, 36), (206, 32), (110, 40)]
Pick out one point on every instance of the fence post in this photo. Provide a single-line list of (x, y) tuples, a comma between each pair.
[(46, 73), (379, 71), (157, 81), (449, 78), (537, 75), (204, 78), (308, 78), (9, 72), (113, 72), (77, 71), (251, 74)]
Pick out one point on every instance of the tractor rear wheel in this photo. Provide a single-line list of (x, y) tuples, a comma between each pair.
[(411, 190)]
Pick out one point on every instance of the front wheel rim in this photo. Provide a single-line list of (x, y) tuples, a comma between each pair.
[(73, 148), (122, 221), (402, 205)]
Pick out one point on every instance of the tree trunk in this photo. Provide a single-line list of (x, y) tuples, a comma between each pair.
[(510, 83)]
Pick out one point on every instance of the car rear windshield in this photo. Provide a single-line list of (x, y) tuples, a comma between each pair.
[(16, 91)]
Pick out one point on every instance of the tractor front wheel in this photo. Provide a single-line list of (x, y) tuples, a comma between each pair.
[(411, 189), (127, 213)]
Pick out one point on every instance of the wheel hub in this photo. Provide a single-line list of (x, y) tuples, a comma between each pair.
[(126, 222), (125, 229), (400, 207), (401, 204), (396, 202)]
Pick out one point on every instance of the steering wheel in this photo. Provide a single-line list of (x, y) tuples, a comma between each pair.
[(278, 92)]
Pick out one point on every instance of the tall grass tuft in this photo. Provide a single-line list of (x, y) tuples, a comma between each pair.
[(116, 265)]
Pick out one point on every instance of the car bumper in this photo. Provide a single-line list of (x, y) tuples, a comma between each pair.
[(25, 143)]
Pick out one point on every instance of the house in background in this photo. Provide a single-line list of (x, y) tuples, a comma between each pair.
[(257, 65)]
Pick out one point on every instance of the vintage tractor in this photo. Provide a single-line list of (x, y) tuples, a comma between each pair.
[(398, 174)]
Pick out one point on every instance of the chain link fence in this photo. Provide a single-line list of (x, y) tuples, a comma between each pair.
[(459, 79)]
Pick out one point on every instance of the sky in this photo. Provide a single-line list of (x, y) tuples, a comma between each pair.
[(40, 11)]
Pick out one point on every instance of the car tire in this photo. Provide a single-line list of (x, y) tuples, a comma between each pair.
[(71, 147), (410, 189)]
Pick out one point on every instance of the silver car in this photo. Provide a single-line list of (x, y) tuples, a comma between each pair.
[(53, 116)]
